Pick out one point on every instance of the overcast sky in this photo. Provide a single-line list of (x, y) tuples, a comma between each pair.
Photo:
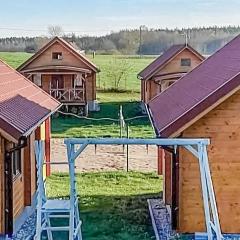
[(98, 17)]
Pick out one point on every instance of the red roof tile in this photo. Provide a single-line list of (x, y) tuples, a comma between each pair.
[(197, 91), (23, 105), (159, 62)]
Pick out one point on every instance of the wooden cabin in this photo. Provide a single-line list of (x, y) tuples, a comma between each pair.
[(205, 103), (167, 69), (25, 112), (66, 74)]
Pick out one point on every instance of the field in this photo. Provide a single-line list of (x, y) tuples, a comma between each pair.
[(128, 95), (113, 205)]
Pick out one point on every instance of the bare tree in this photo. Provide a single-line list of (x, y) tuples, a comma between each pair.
[(41, 41), (55, 30), (117, 71)]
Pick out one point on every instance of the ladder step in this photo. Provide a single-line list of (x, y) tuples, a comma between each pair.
[(58, 216), (56, 228)]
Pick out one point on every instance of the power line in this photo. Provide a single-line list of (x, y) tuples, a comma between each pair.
[(46, 30)]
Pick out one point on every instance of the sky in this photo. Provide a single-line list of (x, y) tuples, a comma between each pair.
[(100, 17)]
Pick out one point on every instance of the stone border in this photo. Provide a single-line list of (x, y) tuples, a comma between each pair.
[(160, 219)]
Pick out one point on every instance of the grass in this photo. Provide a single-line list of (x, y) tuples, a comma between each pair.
[(129, 97), (131, 83), (113, 204), (74, 127), (14, 59)]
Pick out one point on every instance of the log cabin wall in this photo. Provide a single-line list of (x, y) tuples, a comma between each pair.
[(46, 81), (91, 88), (153, 90), (2, 184), (167, 178), (143, 90), (94, 86), (24, 184), (175, 64), (33, 165), (29, 171), (67, 81), (222, 126)]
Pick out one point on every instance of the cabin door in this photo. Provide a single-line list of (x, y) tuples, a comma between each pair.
[(57, 87), (57, 82), (175, 189)]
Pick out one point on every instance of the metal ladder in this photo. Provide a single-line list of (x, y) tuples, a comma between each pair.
[(48, 209)]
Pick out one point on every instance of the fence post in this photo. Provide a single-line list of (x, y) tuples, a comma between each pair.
[(127, 149)]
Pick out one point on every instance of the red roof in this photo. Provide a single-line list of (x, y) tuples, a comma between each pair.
[(23, 105), (160, 62), (198, 90)]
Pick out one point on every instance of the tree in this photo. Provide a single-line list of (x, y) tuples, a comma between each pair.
[(117, 71), (55, 30)]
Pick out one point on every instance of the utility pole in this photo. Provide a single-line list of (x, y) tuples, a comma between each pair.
[(140, 39), (186, 39), (187, 36)]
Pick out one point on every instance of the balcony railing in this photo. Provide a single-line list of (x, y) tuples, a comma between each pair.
[(69, 94)]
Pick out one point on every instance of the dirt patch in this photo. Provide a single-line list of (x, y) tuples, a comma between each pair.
[(106, 157)]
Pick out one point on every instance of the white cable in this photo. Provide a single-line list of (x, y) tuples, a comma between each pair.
[(99, 119)]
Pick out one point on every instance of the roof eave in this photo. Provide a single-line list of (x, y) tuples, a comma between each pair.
[(28, 132), (15, 133), (149, 113), (201, 109)]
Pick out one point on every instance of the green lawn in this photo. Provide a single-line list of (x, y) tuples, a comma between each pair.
[(131, 83), (113, 204), (14, 59), (74, 127)]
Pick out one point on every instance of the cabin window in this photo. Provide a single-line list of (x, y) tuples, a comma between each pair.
[(57, 56), (17, 166), (37, 79), (185, 62)]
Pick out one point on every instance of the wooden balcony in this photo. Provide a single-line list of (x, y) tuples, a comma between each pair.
[(69, 95)]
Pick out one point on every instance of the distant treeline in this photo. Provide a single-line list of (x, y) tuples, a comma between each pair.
[(153, 41)]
